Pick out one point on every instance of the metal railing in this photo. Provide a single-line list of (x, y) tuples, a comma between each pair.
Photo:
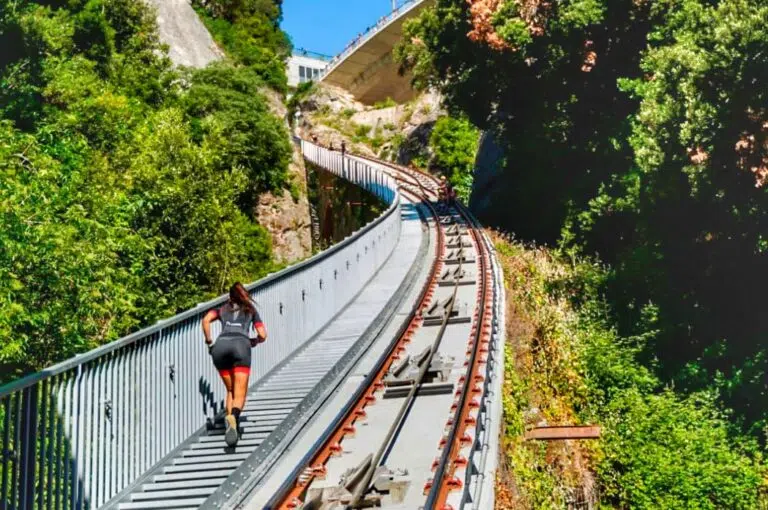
[(74, 435), (302, 52)]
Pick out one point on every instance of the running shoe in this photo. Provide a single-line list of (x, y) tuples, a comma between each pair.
[(231, 434)]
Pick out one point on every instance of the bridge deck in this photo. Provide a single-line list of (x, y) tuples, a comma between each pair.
[(202, 467), (367, 70)]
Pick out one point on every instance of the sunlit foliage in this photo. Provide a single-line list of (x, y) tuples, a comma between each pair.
[(250, 32), (127, 189)]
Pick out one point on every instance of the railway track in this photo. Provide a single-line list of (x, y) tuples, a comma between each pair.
[(426, 388), (318, 433)]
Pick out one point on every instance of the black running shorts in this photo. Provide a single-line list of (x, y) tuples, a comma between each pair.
[(232, 353)]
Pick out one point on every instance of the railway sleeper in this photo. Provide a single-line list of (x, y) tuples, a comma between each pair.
[(457, 241), (437, 312), (455, 276), (403, 375), (458, 256), (456, 230), (387, 487)]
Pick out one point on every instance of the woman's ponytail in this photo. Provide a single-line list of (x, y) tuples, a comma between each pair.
[(240, 296)]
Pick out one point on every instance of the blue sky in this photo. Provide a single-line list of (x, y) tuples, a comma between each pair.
[(326, 26)]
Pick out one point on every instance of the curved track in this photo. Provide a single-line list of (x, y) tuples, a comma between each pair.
[(409, 400)]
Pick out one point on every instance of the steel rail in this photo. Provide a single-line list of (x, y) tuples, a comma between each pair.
[(441, 484), (291, 490), (363, 486), (449, 459), (413, 173)]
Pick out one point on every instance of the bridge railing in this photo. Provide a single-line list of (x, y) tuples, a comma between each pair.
[(75, 435)]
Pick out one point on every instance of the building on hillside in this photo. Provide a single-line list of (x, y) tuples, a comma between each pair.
[(305, 66)]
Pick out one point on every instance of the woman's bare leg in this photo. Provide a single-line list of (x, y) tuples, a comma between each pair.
[(240, 389), (229, 385)]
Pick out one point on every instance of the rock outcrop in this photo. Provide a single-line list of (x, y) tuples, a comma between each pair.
[(286, 216), (189, 42), (399, 132), (488, 200)]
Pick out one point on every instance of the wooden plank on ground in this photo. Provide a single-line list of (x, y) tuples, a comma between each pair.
[(566, 432)]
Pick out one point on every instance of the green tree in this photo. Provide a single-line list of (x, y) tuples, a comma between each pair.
[(689, 220), (227, 109), (635, 130), (250, 32), (454, 146)]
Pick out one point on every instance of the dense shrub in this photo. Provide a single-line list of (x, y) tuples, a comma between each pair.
[(453, 143), (567, 365), (250, 32)]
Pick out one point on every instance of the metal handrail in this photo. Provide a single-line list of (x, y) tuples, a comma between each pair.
[(302, 52), (79, 359), (76, 434)]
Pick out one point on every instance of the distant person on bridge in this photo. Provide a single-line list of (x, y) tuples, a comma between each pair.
[(442, 190), (446, 192), (231, 352)]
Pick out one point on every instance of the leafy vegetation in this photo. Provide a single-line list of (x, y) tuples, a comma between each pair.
[(635, 130), (126, 188), (299, 95), (250, 32), (566, 364), (342, 207), (453, 144)]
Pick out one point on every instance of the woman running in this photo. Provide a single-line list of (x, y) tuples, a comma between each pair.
[(231, 352)]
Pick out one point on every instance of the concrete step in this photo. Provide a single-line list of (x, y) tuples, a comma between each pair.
[(193, 475), (202, 467)]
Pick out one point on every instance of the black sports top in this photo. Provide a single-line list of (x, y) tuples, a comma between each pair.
[(236, 322)]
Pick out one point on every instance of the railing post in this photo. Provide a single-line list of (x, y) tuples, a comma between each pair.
[(28, 447)]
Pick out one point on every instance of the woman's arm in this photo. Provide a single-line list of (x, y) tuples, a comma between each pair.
[(211, 316), (261, 331)]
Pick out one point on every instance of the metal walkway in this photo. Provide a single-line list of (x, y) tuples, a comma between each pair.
[(203, 467)]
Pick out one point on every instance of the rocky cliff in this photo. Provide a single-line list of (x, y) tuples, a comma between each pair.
[(188, 40), (397, 132), (488, 199)]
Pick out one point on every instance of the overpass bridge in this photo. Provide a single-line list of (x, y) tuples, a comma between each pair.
[(380, 383), (365, 68)]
